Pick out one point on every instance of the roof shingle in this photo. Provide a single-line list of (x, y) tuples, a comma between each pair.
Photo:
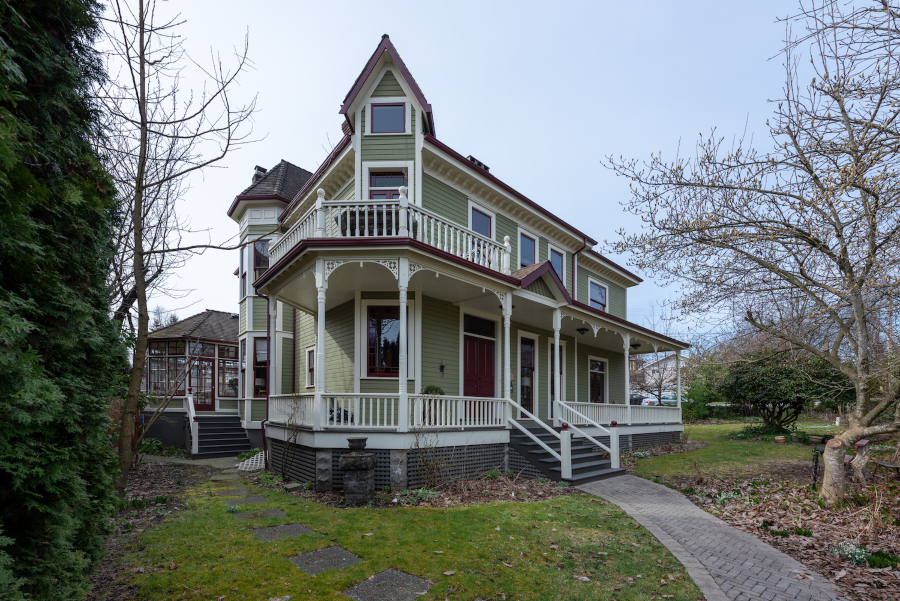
[(209, 325)]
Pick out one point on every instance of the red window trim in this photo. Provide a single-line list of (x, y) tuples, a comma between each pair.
[(253, 368), (369, 373), (372, 117)]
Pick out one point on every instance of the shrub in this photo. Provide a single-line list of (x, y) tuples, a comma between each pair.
[(882, 559), (432, 390), (492, 475), (151, 446), (754, 432)]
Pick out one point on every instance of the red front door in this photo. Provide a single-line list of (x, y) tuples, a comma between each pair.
[(202, 385), (478, 374)]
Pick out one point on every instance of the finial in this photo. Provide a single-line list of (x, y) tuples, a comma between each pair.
[(321, 193), (403, 190)]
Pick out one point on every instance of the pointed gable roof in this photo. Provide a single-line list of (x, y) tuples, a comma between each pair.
[(386, 46)]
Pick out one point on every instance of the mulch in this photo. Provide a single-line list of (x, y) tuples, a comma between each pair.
[(144, 508), (772, 508)]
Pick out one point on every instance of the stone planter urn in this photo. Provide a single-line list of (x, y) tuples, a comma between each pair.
[(779, 439), (359, 473)]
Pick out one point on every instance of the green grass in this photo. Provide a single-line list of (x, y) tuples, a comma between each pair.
[(722, 458), (217, 555)]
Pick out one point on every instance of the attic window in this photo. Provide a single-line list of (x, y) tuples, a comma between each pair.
[(388, 118)]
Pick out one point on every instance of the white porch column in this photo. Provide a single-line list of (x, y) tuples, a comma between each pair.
[(403, 405), (403, 230), (678, 380), (626, 338), (507, 373), (557, 324), (319, 414), (274, 383)]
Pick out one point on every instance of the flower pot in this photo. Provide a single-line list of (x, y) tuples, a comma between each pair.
[(779, 439), (815, 439)]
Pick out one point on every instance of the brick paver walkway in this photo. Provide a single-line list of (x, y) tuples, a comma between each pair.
[(727, 564)]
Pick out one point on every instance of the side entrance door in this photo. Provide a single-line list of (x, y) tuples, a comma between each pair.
[(202, 385), (478, 374)]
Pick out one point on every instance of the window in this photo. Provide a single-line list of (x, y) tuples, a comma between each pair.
[(383, 352), (597, 381), (310, 366), (388, 118), (228, 378), (157, 347), (202, 349), (164, 375), (379, 180), (260, 257), (478, 326), (177, 376), (242, 280), (481, 223), (526, 250), (243, 390), (556, 261), (228, 352), (260, 367), (598, 295), (157, 379), (176, 347)]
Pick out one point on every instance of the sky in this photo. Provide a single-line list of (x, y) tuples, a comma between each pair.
[(541, 92)]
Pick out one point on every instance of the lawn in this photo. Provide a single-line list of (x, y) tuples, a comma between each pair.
[(499, 550), (730, 458)]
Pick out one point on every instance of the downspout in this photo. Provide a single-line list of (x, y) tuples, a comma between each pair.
[(574, 274), (262, 424)]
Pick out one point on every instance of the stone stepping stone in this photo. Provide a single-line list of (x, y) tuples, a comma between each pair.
[(233, 492), (329, 558), (283, 531), (262, 513), (246, 501), (225, 477), (390, 585)]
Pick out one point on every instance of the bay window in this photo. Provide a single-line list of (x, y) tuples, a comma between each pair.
[(260, 258), (260, 367)]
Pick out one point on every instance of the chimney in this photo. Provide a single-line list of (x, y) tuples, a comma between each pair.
[(475, 161), (258, 173)]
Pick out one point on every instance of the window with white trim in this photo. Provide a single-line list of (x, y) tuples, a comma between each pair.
[(388, 118), (598, 295), (597, 380), (527, 250), (558, 262), (310, 366)]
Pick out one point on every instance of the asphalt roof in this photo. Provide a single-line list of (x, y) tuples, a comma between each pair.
[(209, 325), (284, 179)]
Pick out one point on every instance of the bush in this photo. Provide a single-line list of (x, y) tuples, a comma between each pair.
[(754, 432), (152, 446), (432, 390)]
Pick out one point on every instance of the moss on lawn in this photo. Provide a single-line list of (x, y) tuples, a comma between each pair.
[(215, 556)]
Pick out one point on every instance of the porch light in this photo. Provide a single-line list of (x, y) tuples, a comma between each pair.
[(635, 346), (442, 366), (582, 331)]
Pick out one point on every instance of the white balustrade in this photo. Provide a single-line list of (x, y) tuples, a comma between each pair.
[(655, 415), (605, 414), (456, 412), (293, 409), (459, 241), (303, 228), (361, 410)]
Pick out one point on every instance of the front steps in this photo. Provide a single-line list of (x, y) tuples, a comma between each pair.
[(220, 436), (588, 464)]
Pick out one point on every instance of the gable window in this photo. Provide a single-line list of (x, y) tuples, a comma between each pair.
[(388, 118), (385, 185), (383, 352), (310, 366), (481, 223), (556, 261), (598, 295), (260, 367), (260, 257), (527, 253), (597, 380)]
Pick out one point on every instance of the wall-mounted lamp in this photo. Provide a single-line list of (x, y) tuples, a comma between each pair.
[(582, 331), (442, 366)]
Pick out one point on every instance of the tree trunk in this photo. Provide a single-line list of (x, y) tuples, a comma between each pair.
[(858, 467), (833, 481)]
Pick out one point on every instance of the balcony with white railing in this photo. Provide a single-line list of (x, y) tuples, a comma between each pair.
[(392, 219)]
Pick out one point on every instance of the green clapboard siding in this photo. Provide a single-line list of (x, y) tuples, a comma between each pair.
[(388, 86), (287, 319), (260, 313), (257, 410), (617, 294), (507, 227), (440, 326), (384, 386), (228, 404), (339, 349), (568, 270), (615, 365), (347, 193), (543, 250), (305, 337), (390, 147), (287, 365), (540, 287), (243, 326), (444, 200)]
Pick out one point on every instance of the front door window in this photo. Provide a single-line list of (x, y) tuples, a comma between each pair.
[(597, 381), (526, 374)]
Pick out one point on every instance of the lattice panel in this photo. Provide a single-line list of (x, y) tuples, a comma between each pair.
[(653, 439), (301, 460), (521, 466), (382, 468), (457, 463)]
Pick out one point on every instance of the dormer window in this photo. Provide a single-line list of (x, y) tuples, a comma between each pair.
[(388, 118), (385, 185)]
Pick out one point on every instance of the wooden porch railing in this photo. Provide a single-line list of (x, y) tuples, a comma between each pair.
[(605, 414), (456, 411)]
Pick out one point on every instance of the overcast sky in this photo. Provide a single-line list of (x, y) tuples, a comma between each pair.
[(539, 91)]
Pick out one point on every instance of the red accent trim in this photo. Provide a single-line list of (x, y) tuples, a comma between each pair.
[(239, 199), (315, 176), (192, 339), (545, 267), (464, 161), (386, 46), (372, 117)]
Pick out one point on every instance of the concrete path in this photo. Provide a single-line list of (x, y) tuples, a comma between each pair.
[(727, 564)]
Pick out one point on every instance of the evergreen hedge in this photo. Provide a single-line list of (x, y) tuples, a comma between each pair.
[(60, 354)]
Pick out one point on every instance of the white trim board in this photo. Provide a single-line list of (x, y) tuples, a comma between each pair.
[(562, 383), (481, 209), (605, 379), (413, 361)]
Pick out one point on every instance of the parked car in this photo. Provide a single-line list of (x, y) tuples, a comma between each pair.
[(636, 399), (669, 400)]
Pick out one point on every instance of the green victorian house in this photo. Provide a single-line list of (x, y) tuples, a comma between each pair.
[(404, 293)]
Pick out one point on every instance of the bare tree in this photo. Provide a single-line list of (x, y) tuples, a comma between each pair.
[(655, 372), (156, 135), (813, 221), (162, 318)]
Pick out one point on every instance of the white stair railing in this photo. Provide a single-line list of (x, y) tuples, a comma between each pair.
[(613, 434), (532, 436)]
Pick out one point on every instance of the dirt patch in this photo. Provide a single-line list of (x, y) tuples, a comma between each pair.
[(154, 492), (451, 494), (786, 514)]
